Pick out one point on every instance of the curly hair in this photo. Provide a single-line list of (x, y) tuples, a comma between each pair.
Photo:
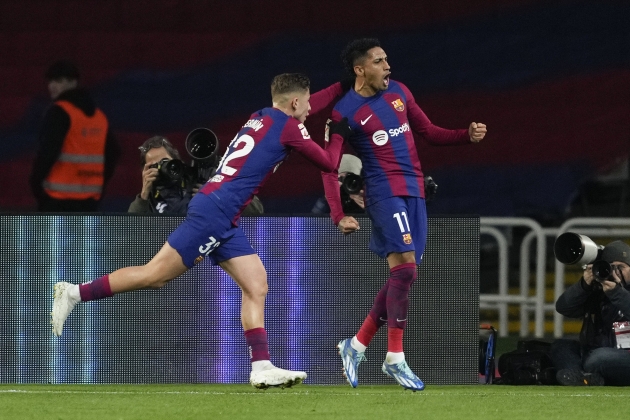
[(156, 142), (355, 51)]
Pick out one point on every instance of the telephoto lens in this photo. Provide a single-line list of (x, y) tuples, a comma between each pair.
[(352, 183), (602, 270)]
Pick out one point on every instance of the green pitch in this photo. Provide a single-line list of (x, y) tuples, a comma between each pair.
[(180, 402)]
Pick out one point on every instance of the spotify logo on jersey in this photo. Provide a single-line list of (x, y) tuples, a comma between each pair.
[(380, 137)]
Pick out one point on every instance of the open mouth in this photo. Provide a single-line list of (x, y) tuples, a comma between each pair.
[(386, 80)]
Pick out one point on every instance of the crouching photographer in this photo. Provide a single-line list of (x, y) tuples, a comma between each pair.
[(602, 299)]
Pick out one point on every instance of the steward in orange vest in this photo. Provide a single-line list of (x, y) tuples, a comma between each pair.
[(78, 173), (76, 153)]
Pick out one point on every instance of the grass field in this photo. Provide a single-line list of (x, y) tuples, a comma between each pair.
[(179, 402)]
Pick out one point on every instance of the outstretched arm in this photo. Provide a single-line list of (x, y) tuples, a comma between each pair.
[(327, 159), (421, 125), (346, 224)]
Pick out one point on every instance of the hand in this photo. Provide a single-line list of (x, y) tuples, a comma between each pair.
[(611, 283), (477, 131), (608, 285), (588, 274), (342, 128), (348, 225), (149, 175), (358, 199)]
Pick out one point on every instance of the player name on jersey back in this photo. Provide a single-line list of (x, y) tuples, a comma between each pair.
[(255, 124)]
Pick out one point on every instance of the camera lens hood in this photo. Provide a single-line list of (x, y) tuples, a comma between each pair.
[(202, 144), (571, 248)]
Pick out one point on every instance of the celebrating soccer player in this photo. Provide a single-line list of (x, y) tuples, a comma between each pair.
[(210, 230), (384, 117)]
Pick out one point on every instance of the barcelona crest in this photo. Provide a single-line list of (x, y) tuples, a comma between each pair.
[(398, 105), (407, 238)]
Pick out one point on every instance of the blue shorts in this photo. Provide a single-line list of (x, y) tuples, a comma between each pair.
[(399, 224), (207, 232)]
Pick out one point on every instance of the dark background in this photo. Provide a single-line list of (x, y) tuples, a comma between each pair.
[(551, 79)]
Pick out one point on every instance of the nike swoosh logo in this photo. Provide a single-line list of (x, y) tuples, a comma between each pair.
[(381, 318), (363, 122), (401, 320)]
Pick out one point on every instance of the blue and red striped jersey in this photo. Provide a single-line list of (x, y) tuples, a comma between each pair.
[(383, 128), (255, 153)]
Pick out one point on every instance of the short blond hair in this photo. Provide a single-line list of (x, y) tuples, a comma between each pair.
[(287, 83)]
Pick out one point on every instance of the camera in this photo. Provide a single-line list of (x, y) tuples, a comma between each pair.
[(351, 183), (202, 145), (170, 172), (430, 188), (571, 248)]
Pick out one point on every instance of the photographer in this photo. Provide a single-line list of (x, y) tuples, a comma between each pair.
[(602, 303), (160, 194), (167, 184), (350, 187)]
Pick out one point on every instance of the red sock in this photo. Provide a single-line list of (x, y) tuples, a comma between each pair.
[(95, 290), (256, 339), (367, 331), (395, 339)]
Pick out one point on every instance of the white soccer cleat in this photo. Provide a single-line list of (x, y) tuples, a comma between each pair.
[(62, 306), (274, 376)]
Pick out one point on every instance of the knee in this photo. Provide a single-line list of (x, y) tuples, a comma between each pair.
[(403, 276), (601, 358), (256, 289)]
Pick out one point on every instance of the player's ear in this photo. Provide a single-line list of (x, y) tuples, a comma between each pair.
[(359, 71), (294, 102)]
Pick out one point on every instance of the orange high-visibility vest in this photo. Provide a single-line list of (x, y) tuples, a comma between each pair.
[(78, 172)]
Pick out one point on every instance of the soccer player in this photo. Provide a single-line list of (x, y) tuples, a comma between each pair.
[(211, 229), (384, 117)]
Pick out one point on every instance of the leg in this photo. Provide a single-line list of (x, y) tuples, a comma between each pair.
[(251, 277), (165, 266), (612, 364), (566, 356), (403, 275), (378, 313)]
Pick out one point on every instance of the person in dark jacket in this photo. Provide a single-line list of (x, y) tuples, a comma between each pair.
[(600, 357), (77, 152), (159, 195)]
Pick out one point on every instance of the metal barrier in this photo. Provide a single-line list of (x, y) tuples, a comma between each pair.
[(503, 298), (498, 301), (559, 281), (559, 267), (584, 225)]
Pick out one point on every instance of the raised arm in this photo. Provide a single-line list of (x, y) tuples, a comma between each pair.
[(422, 126)]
